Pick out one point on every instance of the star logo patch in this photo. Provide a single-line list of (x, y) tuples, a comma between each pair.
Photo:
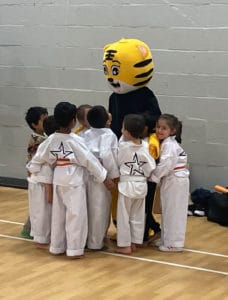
[(61, 153), (135, 166)]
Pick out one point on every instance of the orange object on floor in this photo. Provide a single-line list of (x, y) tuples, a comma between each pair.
[(220, 188)]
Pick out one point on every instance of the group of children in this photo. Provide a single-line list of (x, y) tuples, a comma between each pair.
[(72, 174)]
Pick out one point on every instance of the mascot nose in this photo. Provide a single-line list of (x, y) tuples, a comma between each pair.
[(110, 79)]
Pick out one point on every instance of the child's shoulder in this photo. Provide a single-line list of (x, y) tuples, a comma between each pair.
[(37, 138)]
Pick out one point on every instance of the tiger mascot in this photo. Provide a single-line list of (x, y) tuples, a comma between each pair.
[(128, 67)]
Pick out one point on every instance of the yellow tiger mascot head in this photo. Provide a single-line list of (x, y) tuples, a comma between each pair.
[(128, 65)]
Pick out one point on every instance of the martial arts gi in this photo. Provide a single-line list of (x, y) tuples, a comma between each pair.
[(103, 143), (136, 165), (39, 208), (174, 176), (34, 142), (69, 226)]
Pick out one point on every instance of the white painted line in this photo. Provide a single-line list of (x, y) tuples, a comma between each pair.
[(165, 263), (185, 249), (205, 252), (11, 222), (137, 258), (14, 237)]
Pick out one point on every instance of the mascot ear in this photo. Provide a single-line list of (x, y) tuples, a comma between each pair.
[(143, 50)]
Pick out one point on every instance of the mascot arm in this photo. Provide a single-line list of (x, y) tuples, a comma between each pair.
[(151, 107)]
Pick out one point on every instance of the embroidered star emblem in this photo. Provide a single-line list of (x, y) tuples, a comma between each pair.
[(135, 166), (61, 153)]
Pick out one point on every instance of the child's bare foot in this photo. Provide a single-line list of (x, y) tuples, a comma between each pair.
[(42, 246), (133, 247), (124, 250)]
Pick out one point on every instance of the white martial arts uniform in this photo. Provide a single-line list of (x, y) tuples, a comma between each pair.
[(136, 165), (69, 226), (103, 143), (82, 132), (39, 208), (174, 175)]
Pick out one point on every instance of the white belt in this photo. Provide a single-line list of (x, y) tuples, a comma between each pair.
[(125, 178)]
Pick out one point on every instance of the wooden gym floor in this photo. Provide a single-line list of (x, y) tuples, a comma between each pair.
[(200, 272)]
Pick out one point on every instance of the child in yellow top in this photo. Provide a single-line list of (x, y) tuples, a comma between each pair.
[(82, 119)]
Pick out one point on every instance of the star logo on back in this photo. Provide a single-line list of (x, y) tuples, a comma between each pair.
[(61, 153), (135, 166)]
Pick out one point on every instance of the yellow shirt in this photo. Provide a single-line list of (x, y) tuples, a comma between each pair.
[(79, 129), (154, 146)]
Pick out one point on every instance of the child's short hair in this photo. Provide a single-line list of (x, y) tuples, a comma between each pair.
[(134, 124), (33, 115), (173, 123), (64, 113), (81, 111), (50, 125), (97, 116)]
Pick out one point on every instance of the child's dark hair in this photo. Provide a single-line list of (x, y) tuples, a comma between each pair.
[(97, 116), (134, 124), (50, 125), (173, 123), (150, 122), (81, 111), (33, 115), (64, 113)]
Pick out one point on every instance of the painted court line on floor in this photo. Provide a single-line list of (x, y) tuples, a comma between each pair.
[(15, 237), (185, 249), (11, 222), (205, 252), (166, 263), (137, 258)]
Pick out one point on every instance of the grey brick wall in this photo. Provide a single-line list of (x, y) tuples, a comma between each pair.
[(51, 50)]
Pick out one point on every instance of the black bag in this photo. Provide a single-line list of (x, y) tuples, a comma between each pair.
[(200, 198), (218, 209)]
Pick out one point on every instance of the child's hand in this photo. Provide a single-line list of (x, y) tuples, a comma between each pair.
[(110, 185)]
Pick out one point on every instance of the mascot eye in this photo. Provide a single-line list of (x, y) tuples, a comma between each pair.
[(105, 70), (115, 70)]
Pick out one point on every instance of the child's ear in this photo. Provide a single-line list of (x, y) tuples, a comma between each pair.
[(34, 126), (173, 132)]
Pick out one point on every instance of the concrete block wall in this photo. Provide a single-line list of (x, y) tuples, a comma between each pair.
[(51, 50)]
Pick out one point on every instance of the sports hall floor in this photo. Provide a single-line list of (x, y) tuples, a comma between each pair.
[(200, 272)]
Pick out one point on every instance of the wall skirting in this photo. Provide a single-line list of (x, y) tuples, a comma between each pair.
[(14, 182)]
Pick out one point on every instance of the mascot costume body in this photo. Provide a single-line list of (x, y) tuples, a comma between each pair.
[(128, 67)]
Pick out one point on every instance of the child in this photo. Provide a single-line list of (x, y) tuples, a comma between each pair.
[(50, 127), (40, 196), (34, 118), (154, 150), (136, 166), (81, 116), (103, 143), (173, 175), (70, 156)]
